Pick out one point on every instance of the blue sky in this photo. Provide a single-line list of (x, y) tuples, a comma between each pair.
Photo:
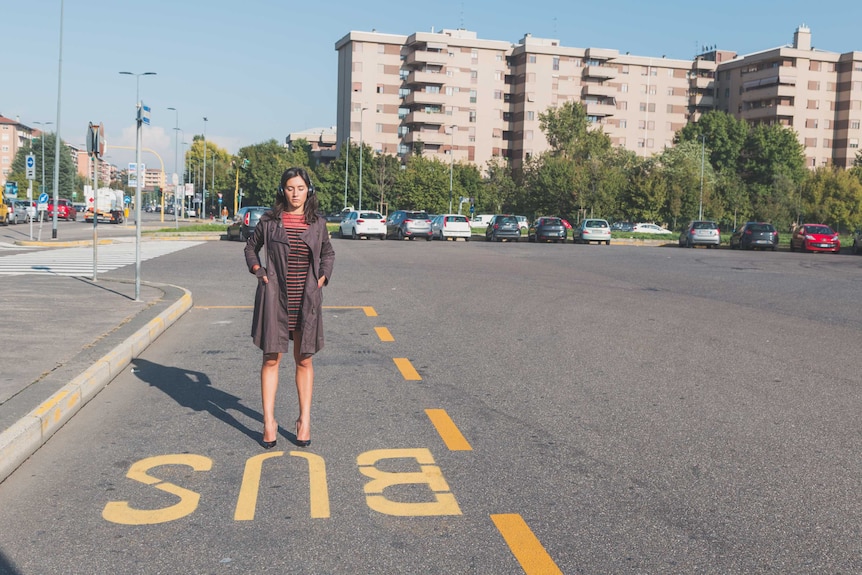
[(261, 69)]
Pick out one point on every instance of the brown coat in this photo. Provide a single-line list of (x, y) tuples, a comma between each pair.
[(269, 322)]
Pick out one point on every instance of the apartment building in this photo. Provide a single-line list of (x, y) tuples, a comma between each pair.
[(815, 92), (450, 92), (322, 141), (13, 135)]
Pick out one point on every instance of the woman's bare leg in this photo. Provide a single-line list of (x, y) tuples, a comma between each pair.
[(268, 387), (304, 388)]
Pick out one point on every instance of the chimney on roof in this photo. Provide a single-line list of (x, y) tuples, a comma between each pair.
[(802, 38)]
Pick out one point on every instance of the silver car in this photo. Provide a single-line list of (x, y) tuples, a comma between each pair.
[(592, 230), (700, 233), (408, 224)]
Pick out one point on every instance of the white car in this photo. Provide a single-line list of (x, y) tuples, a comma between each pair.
[(357, 224), (453, 226), (481, 221), (650, 229), (523, 223)]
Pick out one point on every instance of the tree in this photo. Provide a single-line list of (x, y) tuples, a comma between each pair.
[(832, 196), (725, 138), (260, 181), (422, 185), (68, 172), (568, 132)]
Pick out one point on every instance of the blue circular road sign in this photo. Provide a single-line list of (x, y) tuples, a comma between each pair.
[(31, 161), (43, 198)]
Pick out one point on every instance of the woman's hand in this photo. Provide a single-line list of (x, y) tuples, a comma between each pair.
[(261, 275), (321, 281)]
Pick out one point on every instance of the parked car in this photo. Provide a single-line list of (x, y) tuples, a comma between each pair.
[(453, 226), (700, 233), (408, 224), (550, 229), (25, 210), (481, 221), (365, 223), (622, 227), (523, 223), (815, 238), (503, 227), (244, 222), (650, 229), (857, 242), (65, 209), (752, 235), (80, 207), (592, 230), (4, 212)]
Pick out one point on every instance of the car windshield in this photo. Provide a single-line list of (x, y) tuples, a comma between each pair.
[(595, 224), (761, 227), (371, 215), (551, 222), (461, 219), (825, 230), (507, 220), (704, 225), (416, 216)]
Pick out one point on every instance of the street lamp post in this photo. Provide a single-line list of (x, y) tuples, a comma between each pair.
[(138, 177), (42, 161), (451, 163), (361, 110), (346, 166), (176, 164), (58, 141), (702, 163), (204, 181)]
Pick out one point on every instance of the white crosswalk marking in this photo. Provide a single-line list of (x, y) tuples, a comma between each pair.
[(79, 261)]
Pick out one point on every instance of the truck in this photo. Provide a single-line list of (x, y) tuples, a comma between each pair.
[(106, 204)]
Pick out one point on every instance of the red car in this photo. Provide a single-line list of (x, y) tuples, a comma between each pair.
[(65, 209), (815, 238)]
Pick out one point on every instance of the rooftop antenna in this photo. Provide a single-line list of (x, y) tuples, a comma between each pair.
[(462, 16), (555, 26)]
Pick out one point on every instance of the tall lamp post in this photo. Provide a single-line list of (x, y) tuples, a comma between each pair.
[(138, 178), (451, 162), (176, 164), (204, 184), (58, 141), (702, 163), (346, 166), (42, 183), (361, 110)]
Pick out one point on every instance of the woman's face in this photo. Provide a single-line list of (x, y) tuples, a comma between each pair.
[(296, 193)]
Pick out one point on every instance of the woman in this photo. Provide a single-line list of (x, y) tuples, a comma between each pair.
[(287, 305)]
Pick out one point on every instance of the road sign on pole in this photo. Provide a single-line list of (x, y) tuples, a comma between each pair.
[(31, 167)]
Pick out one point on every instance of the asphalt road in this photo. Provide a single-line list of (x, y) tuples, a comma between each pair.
[(584, 409)]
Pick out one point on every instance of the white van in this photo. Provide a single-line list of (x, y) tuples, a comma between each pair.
[(481, 221)]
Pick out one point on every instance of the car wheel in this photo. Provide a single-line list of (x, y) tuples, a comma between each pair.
[(353, 235), (466, 239), (607, 242), (382, 236)]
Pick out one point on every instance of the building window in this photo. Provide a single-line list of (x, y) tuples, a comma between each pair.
[(380, 88), (531, 115), (498, 94), (854, 143), (669, 109), (623, 124), (827, 143), (357, 46), (555, 63), (854, 124), (378, 128), (402, 112), (381, 49), (624, 88), (472, 96), (379, 108), (357, 86), (472, 116), (813, 104), (357, 66), (403, 92), (432, 89), (474, 76), (498, 75)]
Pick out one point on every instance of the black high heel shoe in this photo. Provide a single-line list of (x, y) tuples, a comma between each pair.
[(269, 444), (301, 442)]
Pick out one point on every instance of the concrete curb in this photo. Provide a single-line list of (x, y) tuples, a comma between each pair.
[(24, 437)]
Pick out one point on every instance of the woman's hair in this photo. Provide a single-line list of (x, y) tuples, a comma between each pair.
[(311, 204)]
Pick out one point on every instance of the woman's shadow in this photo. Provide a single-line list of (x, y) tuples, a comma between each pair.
[(194, 390)]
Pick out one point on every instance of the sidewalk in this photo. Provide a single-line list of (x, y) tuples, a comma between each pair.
[(63, 340)]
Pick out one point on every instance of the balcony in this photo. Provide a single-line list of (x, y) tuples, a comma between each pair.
[(702, 101), (770, 91), (596, 109), (600, 90), (427, 137), (418, 98), (422, 117), (423, 57), (777, 75), (768, 112), (417, 77), (604, 72), (701, 83)]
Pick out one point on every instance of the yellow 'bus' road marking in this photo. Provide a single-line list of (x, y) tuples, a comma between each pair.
[(525, 546), (448, 431), (406, 368), (384, 334)]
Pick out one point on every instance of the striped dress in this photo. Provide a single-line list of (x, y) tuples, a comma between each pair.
[(297, 266)]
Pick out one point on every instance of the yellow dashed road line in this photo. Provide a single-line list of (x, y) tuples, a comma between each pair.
[(448, 431), (406, 368), (384, 334), (524, 545)]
